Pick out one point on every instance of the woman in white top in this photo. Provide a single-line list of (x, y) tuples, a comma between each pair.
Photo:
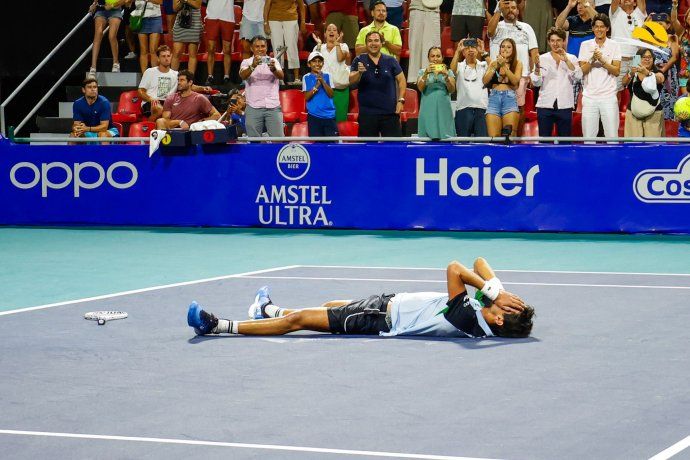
[(151, 28), (472, 98), (336, 64)]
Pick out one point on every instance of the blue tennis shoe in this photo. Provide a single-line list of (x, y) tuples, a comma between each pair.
[(256, 310), (202, 321)]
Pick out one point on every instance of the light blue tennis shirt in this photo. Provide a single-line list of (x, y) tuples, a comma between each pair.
[(423, 313)]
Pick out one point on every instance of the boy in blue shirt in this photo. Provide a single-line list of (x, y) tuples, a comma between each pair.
[(91, 114), (318, 93), (432, 314)]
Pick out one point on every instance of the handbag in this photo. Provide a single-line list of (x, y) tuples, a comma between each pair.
[(640, 108), (185, 16), (432, 4), (137, 22)]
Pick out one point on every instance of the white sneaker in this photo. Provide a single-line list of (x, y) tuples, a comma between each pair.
[(92, 72), (262, 299), (131, 55), (116, 67), (296, 82)]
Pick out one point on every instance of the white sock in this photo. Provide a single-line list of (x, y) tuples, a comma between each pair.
[(226, 326), (273, 311)]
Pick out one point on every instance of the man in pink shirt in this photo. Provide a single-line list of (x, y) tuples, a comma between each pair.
[(185, 107), (556, 75), (262, 75)]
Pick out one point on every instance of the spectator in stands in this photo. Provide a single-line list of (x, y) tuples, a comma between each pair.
[(186, 31), (280, 22), (185, 107), (391, 42), (220, 20), (644, 117), (169, 12), (394, 9), (151, 30), (538, 14), (235, 113), (525, 41), (600, 60), (318, 92), (112, 15), (91, 113), (436, 83), (579, 25), (343, 13), (625, 16), (252, 24), (468, 19), (667, 62), (158, 83), (472, 99), (503, 77), (262, 75), (425, 32), (558, 71), (381, 93), (601, 6), (337, 60)]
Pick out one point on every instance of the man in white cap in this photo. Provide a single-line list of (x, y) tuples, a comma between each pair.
[(318, 93)]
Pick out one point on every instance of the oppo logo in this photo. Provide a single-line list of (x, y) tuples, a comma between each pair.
[(86, 176)]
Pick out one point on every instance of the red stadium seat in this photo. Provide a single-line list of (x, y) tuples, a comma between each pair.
[(353, 111), (405, 51), (300, 130), (293, 105), (141, 129), (672, 128), (238, 15), (236, 54), (120, 129), (323, 10), (623, 100), (576, 126), (530, 110), (129, 108), (446, 43), (362, 13), (411, 106), (530, 129), (348, 128)]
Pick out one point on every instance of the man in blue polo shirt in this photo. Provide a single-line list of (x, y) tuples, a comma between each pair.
[(91, 114), (381, 90)]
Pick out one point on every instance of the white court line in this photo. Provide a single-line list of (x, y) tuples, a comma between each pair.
[(392, 280), (360, 267), (148, 289), (673, 450), (237, 445)]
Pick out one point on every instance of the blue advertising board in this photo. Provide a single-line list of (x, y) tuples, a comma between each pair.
[(576, 188)]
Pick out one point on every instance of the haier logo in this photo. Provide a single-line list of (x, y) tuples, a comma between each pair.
[(664, 185), (475, 181), (293, 162), (86, 176)]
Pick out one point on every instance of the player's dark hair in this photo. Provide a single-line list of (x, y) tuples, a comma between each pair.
[(516, 325), (187, 74), (88, 81), (604, 19)]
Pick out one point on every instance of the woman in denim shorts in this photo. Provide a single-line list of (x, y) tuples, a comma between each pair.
[(150, 33), (112, 15), (502, 79)]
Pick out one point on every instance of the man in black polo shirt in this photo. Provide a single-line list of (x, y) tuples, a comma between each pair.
[(381, 90)]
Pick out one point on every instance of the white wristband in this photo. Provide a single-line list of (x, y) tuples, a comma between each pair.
[(491, 288)]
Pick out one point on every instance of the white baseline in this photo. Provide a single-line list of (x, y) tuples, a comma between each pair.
[(236, 445), (673, 450)]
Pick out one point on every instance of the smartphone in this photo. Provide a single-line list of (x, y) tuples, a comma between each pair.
[(439, 67), (636, 60), (469, 42)]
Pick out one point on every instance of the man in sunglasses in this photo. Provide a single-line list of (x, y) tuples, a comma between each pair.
[(625, 16)]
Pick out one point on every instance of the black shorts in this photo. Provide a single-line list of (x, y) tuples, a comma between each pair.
[(361, 317), (462, 26)]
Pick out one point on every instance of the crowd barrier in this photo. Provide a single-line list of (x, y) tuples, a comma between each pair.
[(394, 185)]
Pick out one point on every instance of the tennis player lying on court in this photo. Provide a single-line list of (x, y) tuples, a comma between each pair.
[(438, 314)]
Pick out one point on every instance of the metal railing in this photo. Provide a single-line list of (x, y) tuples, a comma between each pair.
[(354, 139), (37, 69)]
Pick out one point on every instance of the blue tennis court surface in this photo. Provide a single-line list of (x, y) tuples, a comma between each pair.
[(604, 375)]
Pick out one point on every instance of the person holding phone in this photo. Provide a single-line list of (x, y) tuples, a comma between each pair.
[(470, 63), (436, 83), (234, 115)]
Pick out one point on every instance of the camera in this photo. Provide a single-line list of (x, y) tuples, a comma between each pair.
[(265, 59)]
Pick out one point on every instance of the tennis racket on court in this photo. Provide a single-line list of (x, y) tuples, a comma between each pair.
[(101, 317)]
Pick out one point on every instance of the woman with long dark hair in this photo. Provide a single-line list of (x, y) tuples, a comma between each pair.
[(502, 79)]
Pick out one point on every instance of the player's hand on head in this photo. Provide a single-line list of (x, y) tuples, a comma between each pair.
[(509, 302)]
